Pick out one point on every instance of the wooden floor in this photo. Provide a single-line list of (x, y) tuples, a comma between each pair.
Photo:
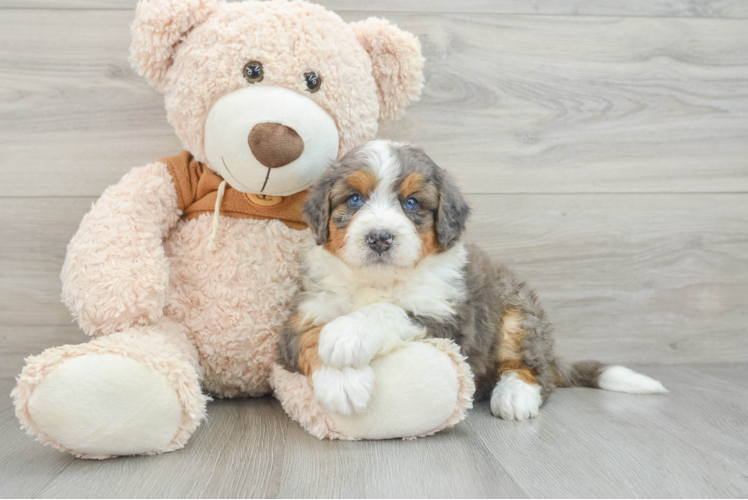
[(692, 442), (603, 145)]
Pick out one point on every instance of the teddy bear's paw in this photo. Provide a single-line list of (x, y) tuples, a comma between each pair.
[(106, 404), (515, 399), (343, 391), (344, 342)]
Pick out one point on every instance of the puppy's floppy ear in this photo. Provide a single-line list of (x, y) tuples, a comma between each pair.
[(453, 212), (158, 28), (396, 63), (318, 207)]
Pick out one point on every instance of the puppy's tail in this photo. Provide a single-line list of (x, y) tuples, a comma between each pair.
[(609, 377)]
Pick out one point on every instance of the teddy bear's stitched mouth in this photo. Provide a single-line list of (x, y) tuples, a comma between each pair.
[(266, 180)]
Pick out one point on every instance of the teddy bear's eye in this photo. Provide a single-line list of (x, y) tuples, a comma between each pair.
[(313, 81), (253, 72)]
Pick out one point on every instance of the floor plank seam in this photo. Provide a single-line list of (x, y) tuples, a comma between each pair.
[(38, 493)]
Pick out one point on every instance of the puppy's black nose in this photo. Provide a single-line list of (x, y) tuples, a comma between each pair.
[(380, 241)]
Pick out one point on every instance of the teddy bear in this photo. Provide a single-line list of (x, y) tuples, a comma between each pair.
[(183, 271)]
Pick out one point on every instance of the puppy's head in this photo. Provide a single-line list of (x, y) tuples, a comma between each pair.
[(386, 204)]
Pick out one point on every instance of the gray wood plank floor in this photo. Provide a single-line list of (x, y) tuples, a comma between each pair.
[(692, 442), (604, 147)]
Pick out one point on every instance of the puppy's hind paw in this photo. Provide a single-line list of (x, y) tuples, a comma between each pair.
[(343, 391), (515, 399)]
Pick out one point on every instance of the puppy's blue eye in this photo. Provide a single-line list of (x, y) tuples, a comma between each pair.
[(355, 201), (411, 204)]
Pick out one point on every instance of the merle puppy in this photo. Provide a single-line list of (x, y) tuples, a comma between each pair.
[(390, 266)]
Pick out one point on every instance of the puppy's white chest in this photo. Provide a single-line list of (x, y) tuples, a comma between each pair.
[(370, 295), (413, 296), (432, 289)]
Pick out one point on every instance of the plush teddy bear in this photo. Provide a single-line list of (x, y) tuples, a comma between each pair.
[(183, 271)]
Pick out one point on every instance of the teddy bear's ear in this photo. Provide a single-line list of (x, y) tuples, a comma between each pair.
[(396, 62), (159, 26)]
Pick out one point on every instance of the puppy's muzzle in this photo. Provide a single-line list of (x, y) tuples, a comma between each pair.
[(380, 241)]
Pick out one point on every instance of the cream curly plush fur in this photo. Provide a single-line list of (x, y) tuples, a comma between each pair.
[(171, 318)]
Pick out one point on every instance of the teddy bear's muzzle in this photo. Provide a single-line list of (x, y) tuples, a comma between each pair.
[(252, 132), (275, 145)]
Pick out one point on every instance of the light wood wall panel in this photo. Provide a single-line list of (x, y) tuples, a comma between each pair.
[(558, 107), (650, 8), (34, 233), (629, 278), (512, 104), (610, 138)]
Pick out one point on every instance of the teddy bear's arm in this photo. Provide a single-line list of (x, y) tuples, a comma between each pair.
[(116, 272)]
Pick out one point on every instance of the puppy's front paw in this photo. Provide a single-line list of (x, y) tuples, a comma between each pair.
[(344, 342), (515, 399), (343, 391)]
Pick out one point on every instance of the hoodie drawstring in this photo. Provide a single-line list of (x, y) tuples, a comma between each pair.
[(212, 240)]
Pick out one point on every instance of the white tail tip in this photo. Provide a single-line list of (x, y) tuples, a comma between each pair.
[(621, 379)]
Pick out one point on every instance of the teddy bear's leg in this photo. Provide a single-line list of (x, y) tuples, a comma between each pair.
[(131, 392), (420, 389)]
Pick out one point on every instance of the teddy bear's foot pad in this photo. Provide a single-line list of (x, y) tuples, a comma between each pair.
[(106, 404), (421, 388)]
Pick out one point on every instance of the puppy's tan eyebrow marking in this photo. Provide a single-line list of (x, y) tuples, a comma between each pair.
[(412, 183), (362, 181)]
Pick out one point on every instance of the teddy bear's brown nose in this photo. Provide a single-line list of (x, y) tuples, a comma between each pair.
[(275, 145)]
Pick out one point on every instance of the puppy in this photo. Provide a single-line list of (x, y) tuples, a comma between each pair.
[(390, 267)]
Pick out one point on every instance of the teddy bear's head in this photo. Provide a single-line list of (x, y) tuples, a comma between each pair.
[(268, 93)]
